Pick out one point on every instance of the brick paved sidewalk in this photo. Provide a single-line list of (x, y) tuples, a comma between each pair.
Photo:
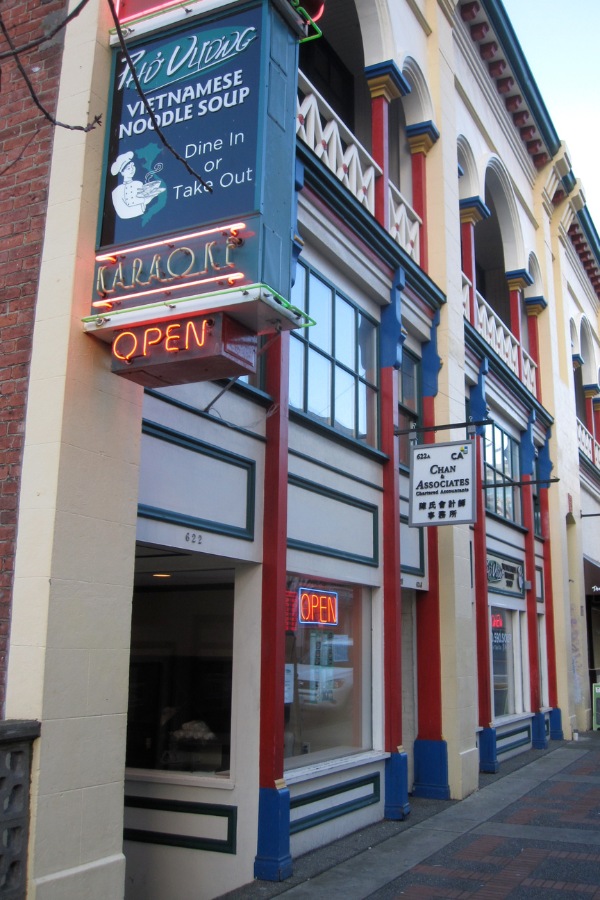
[(532, 831)]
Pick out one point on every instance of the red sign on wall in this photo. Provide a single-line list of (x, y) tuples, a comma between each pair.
[(317, 607), (188, 349)]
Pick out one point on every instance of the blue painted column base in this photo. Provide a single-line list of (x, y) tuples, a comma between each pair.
[(273, 861), (539, 738), (396, 804), (556, 729), (431, 770), (488, 751)]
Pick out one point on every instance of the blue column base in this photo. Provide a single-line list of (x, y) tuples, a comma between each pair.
[(556, 729), (539, 738), (431, 770), (273, 861), (396, 804), (488, 751)]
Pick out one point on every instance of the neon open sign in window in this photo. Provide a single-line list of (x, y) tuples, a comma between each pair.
[(316, 607)]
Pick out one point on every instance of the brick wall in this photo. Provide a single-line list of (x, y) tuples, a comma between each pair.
[(25, 147)]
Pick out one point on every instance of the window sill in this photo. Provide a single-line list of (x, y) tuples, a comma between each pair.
[(511, 719), (187, 779), (331, 766)]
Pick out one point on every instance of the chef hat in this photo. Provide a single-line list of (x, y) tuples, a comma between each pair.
[(120, 162)]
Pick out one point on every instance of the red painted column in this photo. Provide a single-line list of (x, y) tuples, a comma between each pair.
[(596, 411), (429, 656), (549, 601), (384, 88), (274, 566), (392, 605), (482, 614), (530, 595), (590, 391), (467, 248), (533, 310), (419, 197)]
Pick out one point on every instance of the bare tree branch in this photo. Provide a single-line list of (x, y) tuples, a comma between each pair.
[(144, 100), (95, 121), (6, 54), (20, 156)]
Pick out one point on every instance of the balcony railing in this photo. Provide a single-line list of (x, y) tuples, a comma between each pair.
[(587, 445), (503, 342), (340, 151)]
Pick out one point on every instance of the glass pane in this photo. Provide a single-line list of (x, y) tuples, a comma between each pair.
[(298, 297), (296, 372), (319, 387), (328, 675), (367, 414), (345, 333), (404, 422), (509, 510), (179, 715), (367, 347), (489, 445), (408, 382), (344, 402), (503, 661), (320, 309)]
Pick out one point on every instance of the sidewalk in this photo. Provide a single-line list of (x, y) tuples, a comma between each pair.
[(531, 831)]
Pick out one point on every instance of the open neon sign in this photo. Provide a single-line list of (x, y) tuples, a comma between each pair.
[(317, 607)]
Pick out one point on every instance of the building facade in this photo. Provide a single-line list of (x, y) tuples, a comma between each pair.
[(301, 455)]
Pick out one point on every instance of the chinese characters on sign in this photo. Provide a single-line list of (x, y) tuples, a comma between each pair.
[(442, 484)]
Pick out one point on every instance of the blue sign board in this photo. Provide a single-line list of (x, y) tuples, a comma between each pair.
[(203, 85)]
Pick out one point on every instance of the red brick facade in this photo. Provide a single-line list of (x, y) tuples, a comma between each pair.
[(25, 146)]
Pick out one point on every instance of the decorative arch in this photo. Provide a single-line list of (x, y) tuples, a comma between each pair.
[(500, 194), (589, 368), (536, 288), (376, 30), (418, 106), (574, 333), (468, 183)]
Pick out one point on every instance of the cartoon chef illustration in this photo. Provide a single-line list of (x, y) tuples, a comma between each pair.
[(130, 198)]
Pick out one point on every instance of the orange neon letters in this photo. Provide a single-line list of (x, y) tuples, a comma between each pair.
[(318, 607)]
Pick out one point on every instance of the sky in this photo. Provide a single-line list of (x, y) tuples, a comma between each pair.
[(561, 42)]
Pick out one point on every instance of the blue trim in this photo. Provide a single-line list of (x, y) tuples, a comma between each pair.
[(396, 805), (431, 362), (391, 337), (477, 204), (477, 398), (591, 387), (519, 273), (544, 463), (539, 301), (141, 835), (431, 770), (390, 68), (273, 861), (556, 729), (539, 737), (569, 181), (427, 128), (488, 750), (335, 812)]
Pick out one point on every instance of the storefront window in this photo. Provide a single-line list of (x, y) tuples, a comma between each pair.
[(179, 715), (327, 671), (509, 660), (334, 363)]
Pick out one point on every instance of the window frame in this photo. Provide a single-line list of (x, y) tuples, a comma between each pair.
[(500, 486), (316, 353)]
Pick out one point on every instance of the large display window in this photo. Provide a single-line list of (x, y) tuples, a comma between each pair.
[(179, 716), (327, 671)]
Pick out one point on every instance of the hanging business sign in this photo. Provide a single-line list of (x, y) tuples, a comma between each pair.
[(202, 84), (442, 484), (184, 349), (505, 575)]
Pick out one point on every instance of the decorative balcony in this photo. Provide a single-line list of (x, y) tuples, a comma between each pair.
[(587, 445), (502, 341), (318, 126)]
